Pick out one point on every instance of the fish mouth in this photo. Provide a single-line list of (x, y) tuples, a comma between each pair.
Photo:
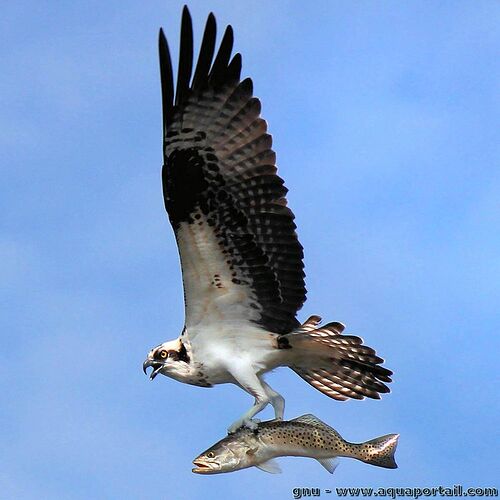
[(203, 467), (156, 365)]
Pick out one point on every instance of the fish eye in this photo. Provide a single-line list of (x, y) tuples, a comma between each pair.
[(163, 354), (210, 454)]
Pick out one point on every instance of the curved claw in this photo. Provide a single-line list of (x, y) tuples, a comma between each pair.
[(248, 423)]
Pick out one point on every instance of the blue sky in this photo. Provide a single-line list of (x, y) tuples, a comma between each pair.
[(385, 122)]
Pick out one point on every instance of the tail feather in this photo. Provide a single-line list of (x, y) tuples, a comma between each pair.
[(326, 386), (309, 324), (339, 366), (380, 451), (379, 372), (360, 383)]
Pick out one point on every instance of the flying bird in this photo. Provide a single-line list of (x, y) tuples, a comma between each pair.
[(242, 263)]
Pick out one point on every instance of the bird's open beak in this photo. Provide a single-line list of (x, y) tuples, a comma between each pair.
[(156, 365)]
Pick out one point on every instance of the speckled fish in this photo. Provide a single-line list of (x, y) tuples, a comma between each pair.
[(305, 436)]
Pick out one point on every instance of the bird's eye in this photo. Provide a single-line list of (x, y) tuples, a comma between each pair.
[(210, 454), (163, 354)]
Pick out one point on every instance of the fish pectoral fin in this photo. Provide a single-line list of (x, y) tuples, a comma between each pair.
[(330, 464), (270, 466)]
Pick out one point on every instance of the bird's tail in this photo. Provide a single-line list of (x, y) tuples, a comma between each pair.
[(339, 366)]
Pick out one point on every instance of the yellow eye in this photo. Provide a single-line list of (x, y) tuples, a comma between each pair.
[(163, 354), (210, 454)]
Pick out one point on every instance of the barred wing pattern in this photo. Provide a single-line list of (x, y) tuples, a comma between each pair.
[(240, 256), (353, 370)]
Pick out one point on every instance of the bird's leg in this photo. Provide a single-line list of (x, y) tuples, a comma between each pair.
[(248, 380), (277, 401), (246, 420)]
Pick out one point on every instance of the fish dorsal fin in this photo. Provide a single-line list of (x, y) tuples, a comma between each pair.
[(270, 466), (330, 464), (310, 419)]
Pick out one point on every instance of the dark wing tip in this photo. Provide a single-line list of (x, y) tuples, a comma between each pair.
[(206, 53), (219, 68), (166, 76), (185, 57), (247, 85), (234, 68), (230, 33)]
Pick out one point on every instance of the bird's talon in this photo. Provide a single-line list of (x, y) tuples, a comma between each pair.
[(247, 423), (252, 425)]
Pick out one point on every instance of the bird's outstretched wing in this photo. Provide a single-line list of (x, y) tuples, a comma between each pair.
[(240, 256)]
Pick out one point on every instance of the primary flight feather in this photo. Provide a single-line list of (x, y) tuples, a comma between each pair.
[(241, 260)]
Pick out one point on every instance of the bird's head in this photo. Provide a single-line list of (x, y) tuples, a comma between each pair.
[(167, 358)]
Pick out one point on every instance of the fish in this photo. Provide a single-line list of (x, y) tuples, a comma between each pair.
[(304, 436)]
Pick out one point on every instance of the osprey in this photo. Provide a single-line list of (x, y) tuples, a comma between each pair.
[(241, 260)]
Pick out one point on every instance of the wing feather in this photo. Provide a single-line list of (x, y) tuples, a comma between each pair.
[(206, 54), (167, 80), (240, 256), (218, 75), (185, 58)]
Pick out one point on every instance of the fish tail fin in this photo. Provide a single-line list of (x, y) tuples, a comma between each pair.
[(380, 451), (338, 365)]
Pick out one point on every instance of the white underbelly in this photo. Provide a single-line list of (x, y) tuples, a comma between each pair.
[(222, 347)]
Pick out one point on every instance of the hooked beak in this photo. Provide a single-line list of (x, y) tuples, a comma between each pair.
[(156, 365), (205, 467)]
